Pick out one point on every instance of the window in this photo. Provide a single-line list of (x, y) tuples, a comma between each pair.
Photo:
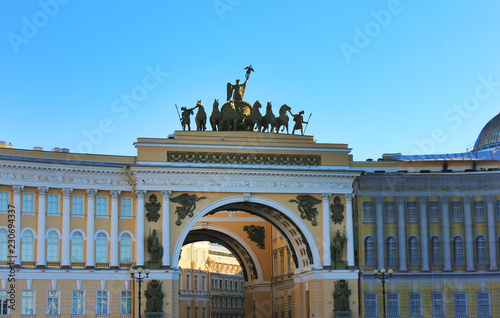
[(434, 211), (101, 248), (195, 281), (102, 302), (415, 304), (188, 254), (188, 281), (203, 312), (390, 211), (28, 301), (282, 262), (369, 251), (203, 256), (370, 304), (3, 302), (275, 262), (4, 201), (498, 210), (460, 304), (77, 247), (188, 311), (126, 206), (77, 302), (479, 213), (393, 304), (368, 211), (126, 302), (411, 211), (196, 311), (4, 238), (53, 204), (101, 207), (52, 246), (438, 304), (483, 304), (436, 250), (458, 251), (27, 246), (28, 202), (126, 248), (481, 251), (203, 282), (52, 302), (77, 204), (413, 247), (196, 255), (391, 252), (456, 211)]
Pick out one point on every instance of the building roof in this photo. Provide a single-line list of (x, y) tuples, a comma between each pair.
[(489, 137)]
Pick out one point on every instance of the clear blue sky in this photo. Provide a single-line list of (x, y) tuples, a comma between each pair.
[(403, 76)]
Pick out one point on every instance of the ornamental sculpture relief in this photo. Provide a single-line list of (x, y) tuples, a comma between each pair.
[(306, 207), (187, 206)]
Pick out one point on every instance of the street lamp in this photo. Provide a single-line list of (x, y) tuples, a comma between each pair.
[(383, 276), (139, 279)]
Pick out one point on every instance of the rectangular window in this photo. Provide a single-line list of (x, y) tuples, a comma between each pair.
[(460, 304), (126, 206), (434, 211), (28, 302), (188, 311), (188, 282), (370, 304), (195, 282), (4, 201), (77, 302), (28, 202), (203, 256), (411, 211), (498, 210), (102, 302), (52, 302), (393, 304), (392, 259), (415, 304), (3, 302), (77, 204), (438, 304), (196, 255), (479, 213), (203, 312), (483, 304), (53, 204), (390, 211), (456, 211), (101, 207), (203, 282), (126, 302), (368, 211)]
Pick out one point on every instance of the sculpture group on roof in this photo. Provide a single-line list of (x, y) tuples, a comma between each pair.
[(238, 115)]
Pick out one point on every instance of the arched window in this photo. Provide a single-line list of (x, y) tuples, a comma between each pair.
[(4, 238), (458, 251), (369, 251), (481, 251), (436, 250), (126, 248), (413, 247), (27, 246), (77, 247), (52, 246), (101, 248), (392, 259)]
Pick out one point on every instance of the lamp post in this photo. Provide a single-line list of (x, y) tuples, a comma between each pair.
[(139, 279), (383, 276)]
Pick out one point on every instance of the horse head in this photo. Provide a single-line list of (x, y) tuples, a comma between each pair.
[(284, 109), (216, 104), (199, 104), (257, 104)]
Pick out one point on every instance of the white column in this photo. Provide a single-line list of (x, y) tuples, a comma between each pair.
[(402, 234), (66, 217), (165, 228), (327, 256), (114, 230), (445, 220), (139, 228), (490, 200), (380, 231), (424, 239), (17, 223), (90, 260), (40, 242), (350, 230), (469, 245)]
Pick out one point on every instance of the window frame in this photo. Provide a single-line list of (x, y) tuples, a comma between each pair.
[(52, 205), (389, 301), (436, 258), (458, 240), (52, 252), (51, 299), (434, 211), (368, 211), (28, 302), (126, 302), (77, 205), (77, 243), (101, 208), (102, 298), (4, 304), (392, 217), (4, 201), (481, 251), (101, 250), (369, 243), (28, 202), (370, 305), (479, 210), (392, 251), (126, 207), (28, 248), (481, 305), (457, 212), (412, 211), (79, 297), (438, 305), (126, 249), (460, 313), (413, 251), (417, 306)]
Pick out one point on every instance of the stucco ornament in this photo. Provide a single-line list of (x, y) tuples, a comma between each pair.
[(188, 205), (256, 234), (154, 296), (153, 208), (337, 209), (306, 207)]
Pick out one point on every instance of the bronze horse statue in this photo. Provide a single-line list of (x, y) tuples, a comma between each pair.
[(216, 116), (201, 117), (229, 119), (269, 120), (254, 118), (282, 120)]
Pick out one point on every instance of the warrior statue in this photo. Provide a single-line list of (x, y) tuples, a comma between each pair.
[(338, 246), (154, 247)]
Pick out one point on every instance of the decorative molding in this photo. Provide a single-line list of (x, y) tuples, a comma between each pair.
[(42, 190), (306, 207), (17, 189), (349, 197), (67, 192), (337, 209), (115, 194), (246, 196), (153, 209), (187, 205), (326, 197), (166, 194), (91, 193), (257, 234), (140, 193)]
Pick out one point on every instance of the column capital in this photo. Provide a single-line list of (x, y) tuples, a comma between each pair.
[(325, 196), (42, 190), (141, 193), (401, 199), (422, 200), (67, 192), (467, 199), (17, 189), (445, 199), (114, 194), (490, 199), (379, 199), (91, 193), (166, 194), (349, 196)]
